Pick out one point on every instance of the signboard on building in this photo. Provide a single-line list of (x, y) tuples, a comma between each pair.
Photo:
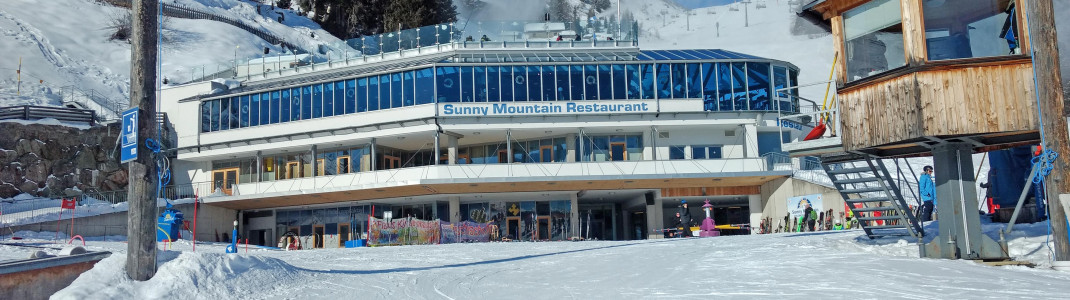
[(796, 205), (129, 135), (545, 108)]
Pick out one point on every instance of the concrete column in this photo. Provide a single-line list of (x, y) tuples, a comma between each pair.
[(652, 144), (437, 152), (626, 223), (259, 166), (755, 203), (570, 144), (374, 161), (580, 146), (956, 206), (655, 219), (509, 146), (574, 223), (451, 142), (455, 209), (750, 140), (315, 163)]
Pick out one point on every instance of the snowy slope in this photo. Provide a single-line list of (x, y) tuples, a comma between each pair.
[(782, 266)]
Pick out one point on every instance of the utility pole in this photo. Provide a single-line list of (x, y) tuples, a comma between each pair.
[(141, 217), (746, 15), (618, 21), (1053, 109), (18, 72)]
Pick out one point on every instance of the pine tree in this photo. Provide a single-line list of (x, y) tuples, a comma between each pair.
[(560, 10)]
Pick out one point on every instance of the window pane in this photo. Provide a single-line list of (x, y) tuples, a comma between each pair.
[(276, 107), (987, 28), (590, 82), (780, 81), (698, 152), (467, 85), (562, 83), (534, 83), (481, 84), (679, 82), (408, 93), (724, 86), (494, 92), (507, 84), (648, 81), (245, 111), (605, 82), (449, 89), (395, 90), (714, 152), (328, 99), (549, 92), (709, 87), (362, 94), (340, 100), (295, 104), (694, 78), (633, 81), (577, 82), (306, 103), (520, 84), (235, 112), (758, 85), (874, 38), (317, 101), (285, 106), (266, 110), (664, 77), (373, 93), (739, 88), (425, 86), (206, 116), (254, 110), (224, 114), (384, 91), (676, 152), (619, 82)]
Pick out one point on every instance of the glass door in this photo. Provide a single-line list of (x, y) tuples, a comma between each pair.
[(546, 153), (225, 179), (618, 151)]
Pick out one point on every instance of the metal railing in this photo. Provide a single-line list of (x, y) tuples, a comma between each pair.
[(107, 109), (33, 113)]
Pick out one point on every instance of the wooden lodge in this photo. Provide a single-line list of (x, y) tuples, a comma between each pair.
[(914, 73)]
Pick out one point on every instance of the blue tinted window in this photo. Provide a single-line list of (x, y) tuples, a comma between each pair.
[(619, 82), (244, 111), (648, 81), (317, 101), (306, 103), (605, 82), (215, 116), (590, 81), (265, 109), (709, 84), (520, 84), (780, 81), (676, 152), (373, 93), (739, 88), (633, 81), (449, 85), (384, 91), (285, 106), (724, 86), (698, 152), (395, 90), (507, 83), (328, 99), (758, 85), (714, 152), (254, 110), (340, 97), (664, 78), (362, 94), (235, 112), (224, 114), (577, 82), (534, 83), (549, 93), (295, 104), (494, 91), (206, 116), (481, 83), (467, 85), (276, 106), (793, 80), (425, 86), (562, 83), (679, 82), (694, 79), (409, 90)]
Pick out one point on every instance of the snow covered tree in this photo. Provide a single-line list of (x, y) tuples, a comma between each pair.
[(560, 10), (284, 4)]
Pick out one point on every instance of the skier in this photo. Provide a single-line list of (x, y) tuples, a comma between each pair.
[(484, 38), (809, 217), (685, 219), (928, 193)]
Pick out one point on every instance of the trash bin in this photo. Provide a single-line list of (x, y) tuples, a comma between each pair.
[(355, 243), (168, 225)]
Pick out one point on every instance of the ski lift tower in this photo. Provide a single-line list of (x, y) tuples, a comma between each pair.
[(953, 95)]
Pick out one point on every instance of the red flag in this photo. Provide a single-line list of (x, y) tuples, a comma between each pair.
[(68, 203)]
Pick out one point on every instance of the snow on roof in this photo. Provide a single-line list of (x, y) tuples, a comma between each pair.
[(542, 27)]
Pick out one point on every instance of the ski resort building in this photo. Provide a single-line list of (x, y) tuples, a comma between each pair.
[(545, 140)]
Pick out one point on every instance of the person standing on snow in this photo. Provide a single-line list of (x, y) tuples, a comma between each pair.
[(685, 219), (927, 189), (809, 217)]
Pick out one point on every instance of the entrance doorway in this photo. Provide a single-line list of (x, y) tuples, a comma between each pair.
[(618, 151), (391, 162), (225, 179), (513, 228), (343, 234), (343, 164), (293, 170), (546, 153), (317, 234), (543, 232)]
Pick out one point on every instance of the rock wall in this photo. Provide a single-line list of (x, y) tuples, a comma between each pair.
[(58, 161)]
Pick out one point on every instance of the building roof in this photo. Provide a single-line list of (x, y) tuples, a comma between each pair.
[(692, 54)]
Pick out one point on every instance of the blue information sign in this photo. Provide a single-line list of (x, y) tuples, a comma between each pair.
[(129, 135)]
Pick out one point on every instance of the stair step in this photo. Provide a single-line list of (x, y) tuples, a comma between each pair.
[(869, 209), (849, 170), (863, 190), (903, 226), (855, 180), (863, 219), (865, 200)]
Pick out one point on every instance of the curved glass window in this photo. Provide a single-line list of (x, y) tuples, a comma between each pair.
[(276, 107), (254, 110), (425, 86), (664, 81), (694, 79), (384, 91), (549, 92), (739, 87), (295, 104), (362, 94), (520, 84), (206, 116), (563, 83), (244, 111), (449, 85), (481, 83), (409, 90), (576, 72), (758, 85), (467, 85), (506, 80), (724, 86), (396, 90), (679, 81), (633, 81), (306, 103), (590, 81), (619, 82), (648, 81), (339, 94), (605, 82), (709, 87), (350, 96), (224, 114)]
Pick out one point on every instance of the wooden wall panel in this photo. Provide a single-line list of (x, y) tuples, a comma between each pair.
[(913, 32), (880, 113)]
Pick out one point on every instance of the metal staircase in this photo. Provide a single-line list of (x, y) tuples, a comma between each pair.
[(865, 180)]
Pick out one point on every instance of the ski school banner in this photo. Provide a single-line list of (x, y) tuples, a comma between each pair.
[(796, 205), (465, 232), (406, 231)]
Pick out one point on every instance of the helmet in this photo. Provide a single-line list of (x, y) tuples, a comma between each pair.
[(683, 201)]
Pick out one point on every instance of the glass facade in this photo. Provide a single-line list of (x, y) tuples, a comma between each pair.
[(723, 86), (874, 38), (988, 28)]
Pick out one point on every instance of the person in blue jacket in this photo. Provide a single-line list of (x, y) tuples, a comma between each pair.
[(927, 189)]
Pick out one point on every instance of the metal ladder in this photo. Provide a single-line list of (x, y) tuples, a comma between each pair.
[(865, 180)]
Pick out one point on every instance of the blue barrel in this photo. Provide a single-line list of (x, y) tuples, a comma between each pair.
[(169, 223)]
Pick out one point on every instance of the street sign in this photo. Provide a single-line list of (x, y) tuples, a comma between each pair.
[(129, 135)]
